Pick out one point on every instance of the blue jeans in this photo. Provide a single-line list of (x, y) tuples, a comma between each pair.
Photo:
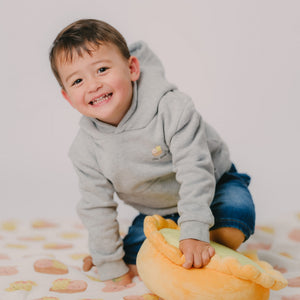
[(232, 206)]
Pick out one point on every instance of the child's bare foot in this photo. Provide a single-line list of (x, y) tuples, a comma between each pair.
[(133, 270), (119, 284)]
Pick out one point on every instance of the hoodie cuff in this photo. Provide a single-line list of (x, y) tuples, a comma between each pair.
[(194, 230), (112, 270)]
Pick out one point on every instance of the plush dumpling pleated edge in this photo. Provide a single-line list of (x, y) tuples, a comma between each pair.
[(268, 278)]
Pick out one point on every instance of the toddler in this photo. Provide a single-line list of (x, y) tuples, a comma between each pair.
[(142, 138)]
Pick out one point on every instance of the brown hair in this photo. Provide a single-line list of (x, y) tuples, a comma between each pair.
[(81, 34)]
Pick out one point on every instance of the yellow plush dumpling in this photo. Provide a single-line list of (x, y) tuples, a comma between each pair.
[(229, 275)]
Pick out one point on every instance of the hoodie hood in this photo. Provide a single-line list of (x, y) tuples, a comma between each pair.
[(147, 93)]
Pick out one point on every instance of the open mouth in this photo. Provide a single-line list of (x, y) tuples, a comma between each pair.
[(101, 99)]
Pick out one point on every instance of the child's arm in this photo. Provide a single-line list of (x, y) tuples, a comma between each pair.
[(98, 210), (197, 253), (195, 172)]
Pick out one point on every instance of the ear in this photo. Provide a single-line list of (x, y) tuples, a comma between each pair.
[(134, 67), (66, 96)]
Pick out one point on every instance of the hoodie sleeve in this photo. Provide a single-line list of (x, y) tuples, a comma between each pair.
[(194, 170), (97, 210)]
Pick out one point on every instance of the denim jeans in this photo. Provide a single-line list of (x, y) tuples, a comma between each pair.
[(232, 206)]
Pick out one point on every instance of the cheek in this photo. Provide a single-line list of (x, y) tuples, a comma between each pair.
[(75, 98), (124, 86), (121, 81)]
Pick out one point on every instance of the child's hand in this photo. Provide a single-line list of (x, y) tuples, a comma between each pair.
[(117, 284), (87, 263), (197, 253)]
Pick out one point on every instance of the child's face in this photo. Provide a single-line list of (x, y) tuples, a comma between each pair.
[(100, 85)]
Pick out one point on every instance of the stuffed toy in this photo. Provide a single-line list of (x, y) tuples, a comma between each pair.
[(228, 276)]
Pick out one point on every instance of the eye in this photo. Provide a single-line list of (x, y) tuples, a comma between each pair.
[(102, 70), (77, 81)]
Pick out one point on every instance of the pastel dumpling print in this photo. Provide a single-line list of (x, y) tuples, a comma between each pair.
[(16, 246), (57, 246), (91, 299), (143, 297), (294, 282), (48, 298), (33, 238), (78, 256), (280, 269), (267, 229), (43, 224), (9, 225), (286, 254), (111, 286), (68, 286), (8, 270), (50, 266), (70, 235), (259, 246), (4, 256), (93, 278), (21, 285), (294, 235), (293, 297)]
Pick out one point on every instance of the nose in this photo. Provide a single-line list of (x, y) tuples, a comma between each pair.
[(94, 84)]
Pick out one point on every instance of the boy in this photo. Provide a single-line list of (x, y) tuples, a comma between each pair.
[(143, 139)]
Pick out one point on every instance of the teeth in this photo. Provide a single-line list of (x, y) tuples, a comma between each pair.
[(101, 99)]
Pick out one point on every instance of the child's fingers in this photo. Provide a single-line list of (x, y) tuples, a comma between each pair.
[(205, 257), (197, 253), (212, 251), (198, 260), (189, 260), (201, 259)]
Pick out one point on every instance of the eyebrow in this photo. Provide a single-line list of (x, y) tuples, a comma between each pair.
[(72, 74), (92, 64)]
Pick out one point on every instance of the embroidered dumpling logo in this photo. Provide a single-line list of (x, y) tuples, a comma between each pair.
[(157, 151)]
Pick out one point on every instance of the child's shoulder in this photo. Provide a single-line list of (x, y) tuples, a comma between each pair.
[(176, 109), (175, 103), (176, 99)]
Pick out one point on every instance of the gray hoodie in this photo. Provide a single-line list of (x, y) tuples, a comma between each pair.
[(161, 158)]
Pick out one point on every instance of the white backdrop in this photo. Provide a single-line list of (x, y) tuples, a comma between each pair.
[(239, 60)]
